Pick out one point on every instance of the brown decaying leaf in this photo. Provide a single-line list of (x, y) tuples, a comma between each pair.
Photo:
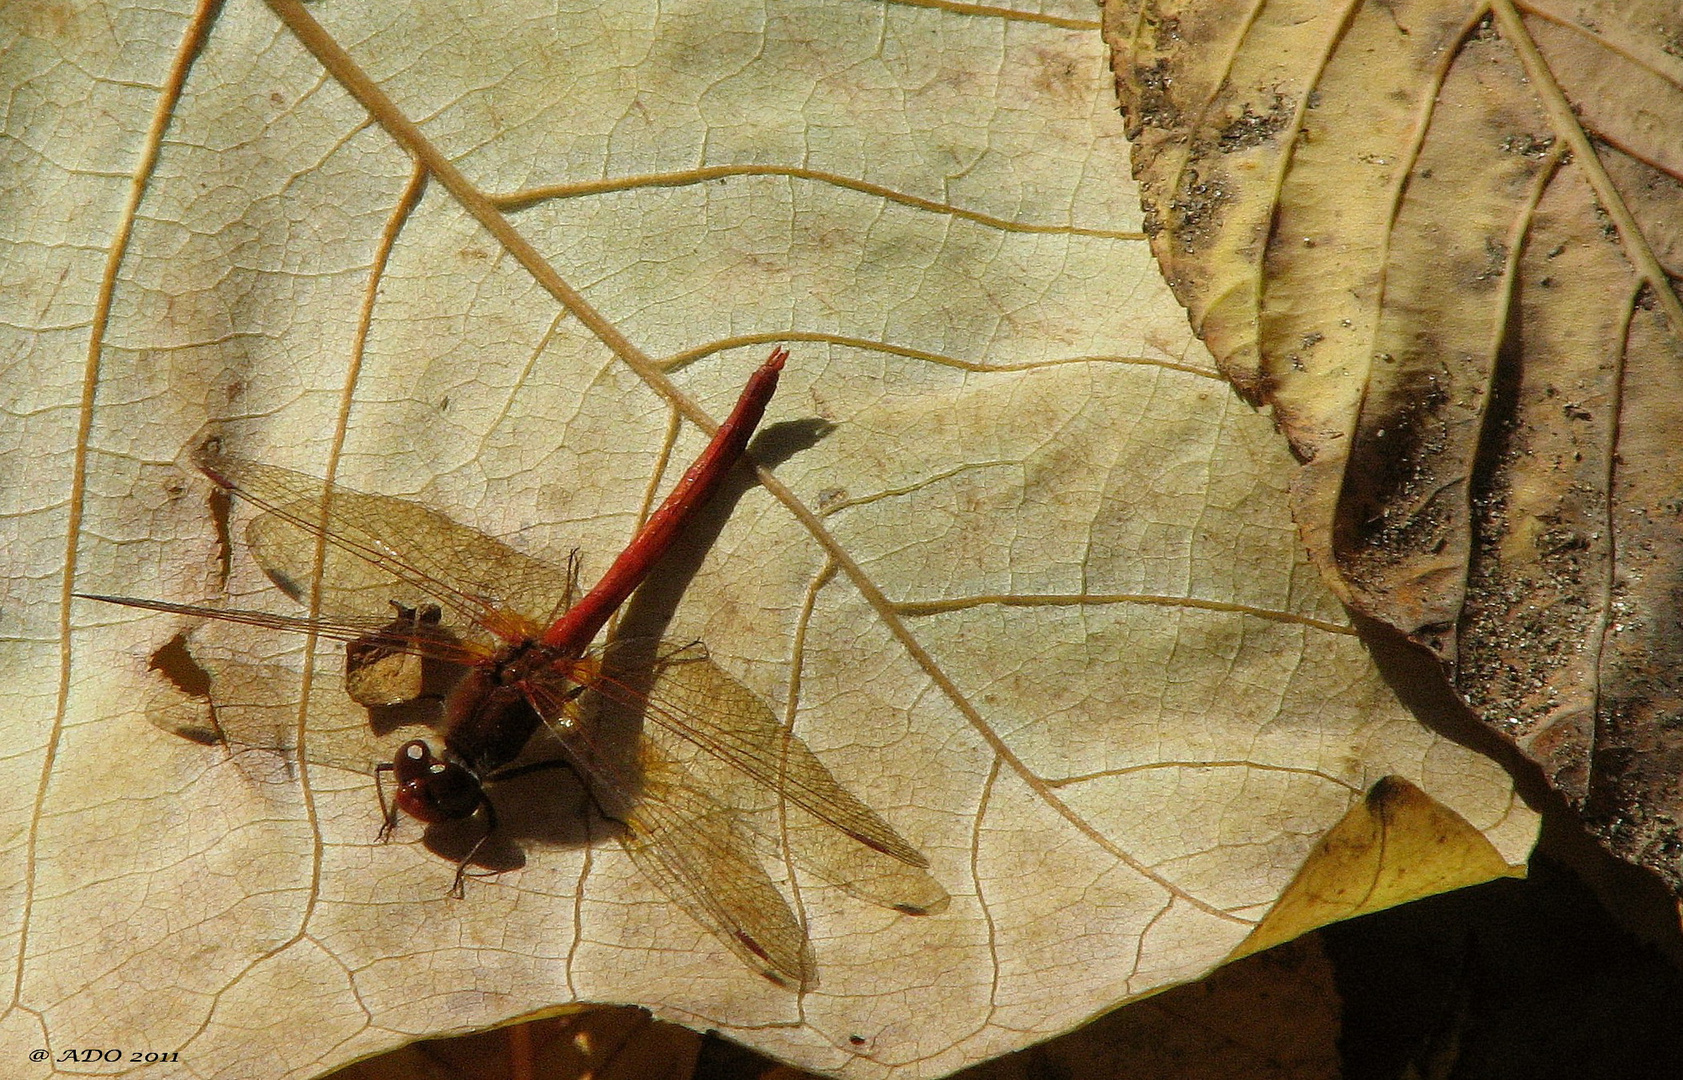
[(599, 1042), (1442, 240)]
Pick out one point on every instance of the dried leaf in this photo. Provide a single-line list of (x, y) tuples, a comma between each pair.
[(1022, 575), (1394, 846), (1441, 239)]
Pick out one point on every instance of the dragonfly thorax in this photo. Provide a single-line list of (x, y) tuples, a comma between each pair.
[(490, 711)]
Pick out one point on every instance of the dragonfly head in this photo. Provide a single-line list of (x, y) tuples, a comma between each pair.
[(431, 788)]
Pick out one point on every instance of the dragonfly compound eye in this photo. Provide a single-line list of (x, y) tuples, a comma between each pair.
[(431, 789)]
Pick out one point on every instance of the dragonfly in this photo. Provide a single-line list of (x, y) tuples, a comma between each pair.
[(668, 746)]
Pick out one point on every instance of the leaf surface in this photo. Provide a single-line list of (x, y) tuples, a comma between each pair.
[(1020, 572)]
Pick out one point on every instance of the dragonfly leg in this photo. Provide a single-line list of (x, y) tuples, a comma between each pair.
[(571, 594), (388, 810), (532, 767), (458, 887)]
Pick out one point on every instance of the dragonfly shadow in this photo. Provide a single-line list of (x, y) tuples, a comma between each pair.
[(546, 803), (545, 806), (636, 654), (651, 608), (777, 443)]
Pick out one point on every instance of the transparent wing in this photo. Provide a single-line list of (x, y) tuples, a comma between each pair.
[(211, 693), (686, 841), (694, 849), (690, 715), (207, 687), (692, 698), (482, 580), (388, 634)]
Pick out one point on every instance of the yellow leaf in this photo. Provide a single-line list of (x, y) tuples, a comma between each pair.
[(1396, 845)]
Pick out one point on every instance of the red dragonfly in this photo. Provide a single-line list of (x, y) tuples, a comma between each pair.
[(520, 674)]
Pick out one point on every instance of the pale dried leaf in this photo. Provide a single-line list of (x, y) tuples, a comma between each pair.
[(1035, 598)]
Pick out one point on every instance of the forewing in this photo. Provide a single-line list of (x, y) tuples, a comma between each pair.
[(385, 633), (382, 549)]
